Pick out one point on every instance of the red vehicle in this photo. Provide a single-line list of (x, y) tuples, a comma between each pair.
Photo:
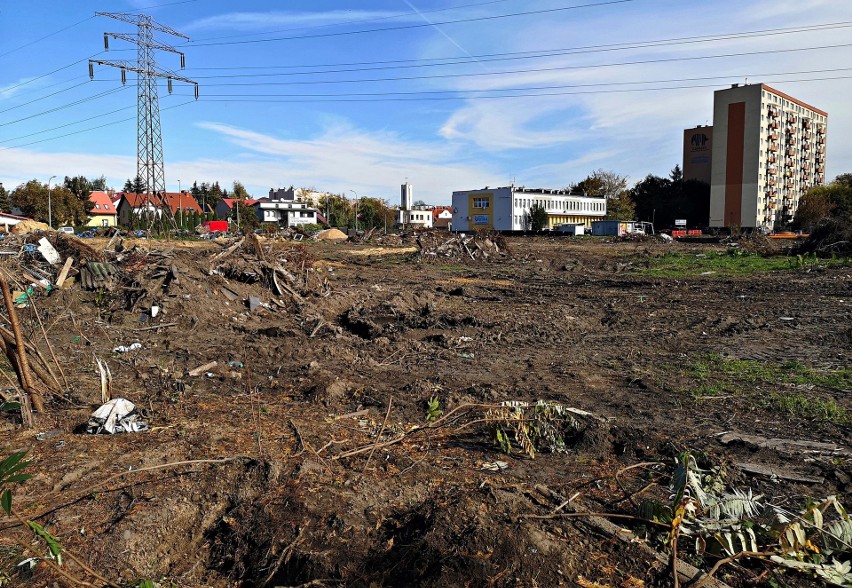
[(217, 226)]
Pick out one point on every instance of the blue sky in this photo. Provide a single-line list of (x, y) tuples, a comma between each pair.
[(339, 97)]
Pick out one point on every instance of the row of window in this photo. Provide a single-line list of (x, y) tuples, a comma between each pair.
[(561, 205)]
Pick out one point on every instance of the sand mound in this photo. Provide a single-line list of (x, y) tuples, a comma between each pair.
[(28, 226), (332, 235)]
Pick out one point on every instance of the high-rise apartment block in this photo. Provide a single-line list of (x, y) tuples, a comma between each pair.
[(768, 150)]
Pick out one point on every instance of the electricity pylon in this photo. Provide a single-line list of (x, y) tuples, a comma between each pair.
[(149, 137)]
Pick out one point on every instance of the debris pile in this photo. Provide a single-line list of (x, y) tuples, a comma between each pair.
[(460, 247), (832, 237)]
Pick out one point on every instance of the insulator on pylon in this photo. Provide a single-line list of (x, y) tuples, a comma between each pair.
[(169, 82), (91, 71), (182, 61), (106, 42), (196, 91), (123, 77)]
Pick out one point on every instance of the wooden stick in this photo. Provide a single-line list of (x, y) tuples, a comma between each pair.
[(23, 365), (64, 273), (379, 436)]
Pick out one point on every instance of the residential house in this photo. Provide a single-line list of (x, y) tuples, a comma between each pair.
[(442, 217), (103, 213), (225, 207), (182, 201), (132, 205), (284, 208)]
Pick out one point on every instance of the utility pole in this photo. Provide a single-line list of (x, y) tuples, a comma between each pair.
[(49, 207), (149, 140)]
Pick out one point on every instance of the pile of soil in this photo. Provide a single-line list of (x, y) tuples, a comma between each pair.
[(29, 226)]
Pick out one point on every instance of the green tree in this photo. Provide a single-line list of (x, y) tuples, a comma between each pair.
[(823, 202), (537, 217), (248, 221), (99, 184), (662, 200), (135, 186), (65, 207), (5, 201), (337, 210), (621, 208), (239, 191)]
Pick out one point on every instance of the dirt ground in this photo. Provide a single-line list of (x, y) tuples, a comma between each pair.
[(307, 458)]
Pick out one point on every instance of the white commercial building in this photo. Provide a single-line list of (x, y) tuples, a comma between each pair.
[(768, 151), (508, 208)]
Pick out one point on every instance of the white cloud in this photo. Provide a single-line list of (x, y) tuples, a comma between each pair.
[(10, 90), (343, 158)]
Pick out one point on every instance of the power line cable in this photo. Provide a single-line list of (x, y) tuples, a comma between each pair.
[(257, 99), (71, 124), (46, 37), (415, 25), (530, 88), (64, 106), (89, 129), (31, 100), (548, 52), (523, 71), (50, 73), (352, 22)]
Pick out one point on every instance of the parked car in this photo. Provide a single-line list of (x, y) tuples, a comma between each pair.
[(67, 230)]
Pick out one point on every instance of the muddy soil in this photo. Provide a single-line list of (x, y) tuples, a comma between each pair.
[(295, 460)]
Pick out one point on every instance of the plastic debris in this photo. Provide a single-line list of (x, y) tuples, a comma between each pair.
[(119, 415), (48, 251), (495, 466), (126, 348)]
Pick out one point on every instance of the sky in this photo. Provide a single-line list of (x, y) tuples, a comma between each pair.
[(357, 98)]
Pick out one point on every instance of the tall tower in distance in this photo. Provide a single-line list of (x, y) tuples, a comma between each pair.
[(768, 150), (406, 202)]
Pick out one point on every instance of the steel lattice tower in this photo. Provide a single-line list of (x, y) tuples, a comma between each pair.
[(149, 137)]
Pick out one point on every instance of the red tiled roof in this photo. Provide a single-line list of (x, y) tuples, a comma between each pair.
[(438, 210), (184, 200), (102, 203), (137, 200), (229, 202)]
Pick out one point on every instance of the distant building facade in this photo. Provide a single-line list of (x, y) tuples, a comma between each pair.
[(508, 208), (284, 208), (103, 213), (698, 153), (768, 150)]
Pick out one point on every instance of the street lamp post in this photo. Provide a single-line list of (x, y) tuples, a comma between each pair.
[(49, 206), (356, 210), (180, 204)]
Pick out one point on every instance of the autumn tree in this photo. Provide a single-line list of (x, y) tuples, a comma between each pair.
[(823, 202), (814, 206), (601, 183)]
